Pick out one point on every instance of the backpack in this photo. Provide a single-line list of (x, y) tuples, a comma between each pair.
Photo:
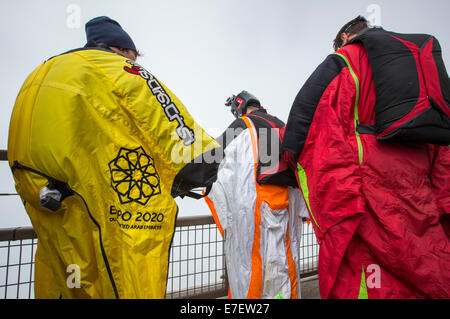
[(278, 173), (411, 84)]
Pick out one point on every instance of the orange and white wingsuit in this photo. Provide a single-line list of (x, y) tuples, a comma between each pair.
[(261, 224)]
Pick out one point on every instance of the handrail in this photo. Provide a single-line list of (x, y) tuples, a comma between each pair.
[(17, 233), (3, 155), (184, 225), (19, 237), (27, 232)]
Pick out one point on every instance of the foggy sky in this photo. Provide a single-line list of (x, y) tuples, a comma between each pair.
[(203, 50)]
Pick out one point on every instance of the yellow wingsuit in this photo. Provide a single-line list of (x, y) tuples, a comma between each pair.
[(115, 137)]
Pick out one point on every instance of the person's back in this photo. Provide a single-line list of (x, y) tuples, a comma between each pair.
[(263, 223), (377, 207), (403, 184), (87, 124), (400, 183)]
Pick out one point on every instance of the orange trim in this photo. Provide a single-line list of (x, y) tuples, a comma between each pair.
[(212, 208), (254, 141), (291, 266), (278, 198), (256, 279)]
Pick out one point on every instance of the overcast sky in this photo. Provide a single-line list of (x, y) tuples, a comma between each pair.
[(203, 50)]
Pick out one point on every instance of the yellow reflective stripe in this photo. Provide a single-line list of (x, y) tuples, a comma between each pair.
[(355, 78), (304, 186), (362, 287)]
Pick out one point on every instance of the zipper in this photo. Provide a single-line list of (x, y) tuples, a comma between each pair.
[(102, 249), (170, 245)]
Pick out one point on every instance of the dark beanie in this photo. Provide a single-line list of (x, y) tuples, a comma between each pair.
[(106, 30)]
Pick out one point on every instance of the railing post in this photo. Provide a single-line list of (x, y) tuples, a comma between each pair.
[(3, 155), (225, 273)]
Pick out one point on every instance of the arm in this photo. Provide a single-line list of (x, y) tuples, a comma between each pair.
[(320, 144), (202, 171), (305, 105)]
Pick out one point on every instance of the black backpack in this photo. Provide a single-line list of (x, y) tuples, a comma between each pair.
[(411, 84)]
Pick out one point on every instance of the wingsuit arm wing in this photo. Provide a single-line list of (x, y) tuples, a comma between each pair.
[(320, 143), (305, 105), (321, 146)]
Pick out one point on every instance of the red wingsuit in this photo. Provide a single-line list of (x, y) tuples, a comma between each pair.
[(380, 211)]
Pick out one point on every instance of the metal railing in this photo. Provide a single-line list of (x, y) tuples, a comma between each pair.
[(17, 249), (197, 262), (196, 265)]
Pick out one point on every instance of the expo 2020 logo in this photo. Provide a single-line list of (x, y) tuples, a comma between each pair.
[(134, 176)]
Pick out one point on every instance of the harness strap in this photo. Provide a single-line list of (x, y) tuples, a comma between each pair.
[(366, 129), (196, 195)]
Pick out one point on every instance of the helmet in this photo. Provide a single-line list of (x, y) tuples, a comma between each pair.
[(241, 102)]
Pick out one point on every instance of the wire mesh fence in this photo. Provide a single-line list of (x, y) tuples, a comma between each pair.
[(17, 249), (309, 251), (196, 266)]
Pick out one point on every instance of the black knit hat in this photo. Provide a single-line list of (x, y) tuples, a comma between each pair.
[(106, 30)]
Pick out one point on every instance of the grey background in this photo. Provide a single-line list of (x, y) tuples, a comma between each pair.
[(203, 50)]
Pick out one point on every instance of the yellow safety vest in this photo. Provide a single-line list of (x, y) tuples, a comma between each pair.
[(118, 137)]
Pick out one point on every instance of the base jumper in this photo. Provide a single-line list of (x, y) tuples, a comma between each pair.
[(91, 146), (261, 223), (368, 138)]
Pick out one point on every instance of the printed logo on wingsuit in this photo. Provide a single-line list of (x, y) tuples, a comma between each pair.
[(172, 112), (134, 176)]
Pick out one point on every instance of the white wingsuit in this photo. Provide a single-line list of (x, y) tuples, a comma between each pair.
[(261, 224)]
